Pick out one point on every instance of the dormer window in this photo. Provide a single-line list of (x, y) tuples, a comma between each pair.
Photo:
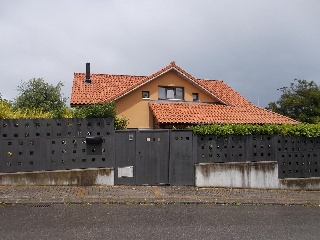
[(170, 93)]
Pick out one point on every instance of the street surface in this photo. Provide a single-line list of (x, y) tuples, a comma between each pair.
[(160, 221)]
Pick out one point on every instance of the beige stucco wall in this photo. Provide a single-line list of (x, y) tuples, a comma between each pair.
[(136, 109)]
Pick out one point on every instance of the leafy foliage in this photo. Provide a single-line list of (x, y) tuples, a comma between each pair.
[(120, 123), (97, 110), (8, 112), (300, 101), (36, 94), (101, 110), (297, 130), (5, 108)]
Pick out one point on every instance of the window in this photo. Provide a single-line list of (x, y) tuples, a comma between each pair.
[(171, 93), (145, 94), (195, 96)]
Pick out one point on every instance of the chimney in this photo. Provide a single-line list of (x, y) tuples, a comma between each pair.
[(88, 80)]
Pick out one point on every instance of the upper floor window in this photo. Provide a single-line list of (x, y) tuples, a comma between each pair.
[(195, 96), (145, 94), (171, 93)]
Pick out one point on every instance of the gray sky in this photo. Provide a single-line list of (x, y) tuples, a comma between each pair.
[(255, 46)]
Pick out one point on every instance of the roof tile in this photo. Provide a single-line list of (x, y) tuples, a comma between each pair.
[(103, 87), (196, 113), (234, 108), (108, 87)]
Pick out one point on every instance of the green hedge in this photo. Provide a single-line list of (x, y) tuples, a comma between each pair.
[(296, 130)]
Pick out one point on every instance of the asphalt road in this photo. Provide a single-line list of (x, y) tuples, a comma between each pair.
[(181, 221)]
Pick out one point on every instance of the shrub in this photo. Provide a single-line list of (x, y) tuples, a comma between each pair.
[(120, 123), (7, 111), (307, 130), (97, 110)]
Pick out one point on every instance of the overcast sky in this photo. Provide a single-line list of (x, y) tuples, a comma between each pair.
[(255, 46)]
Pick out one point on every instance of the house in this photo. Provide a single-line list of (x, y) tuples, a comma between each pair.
[(169, 97)]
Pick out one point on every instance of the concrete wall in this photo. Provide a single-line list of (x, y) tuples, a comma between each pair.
[(78, 177), (300, 183), (237, 175), (262, 175)]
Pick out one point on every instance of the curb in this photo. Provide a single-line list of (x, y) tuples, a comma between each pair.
[(48, 195)]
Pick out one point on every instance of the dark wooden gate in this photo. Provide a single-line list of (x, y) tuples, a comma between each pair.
[(152, 162)]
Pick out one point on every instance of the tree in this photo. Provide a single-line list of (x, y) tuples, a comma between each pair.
[(300, 101), (38, 94)]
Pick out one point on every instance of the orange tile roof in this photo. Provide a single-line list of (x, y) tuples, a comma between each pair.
[(224, 92), (108, 87), (196, 113), (234, 108), (103, 87)]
